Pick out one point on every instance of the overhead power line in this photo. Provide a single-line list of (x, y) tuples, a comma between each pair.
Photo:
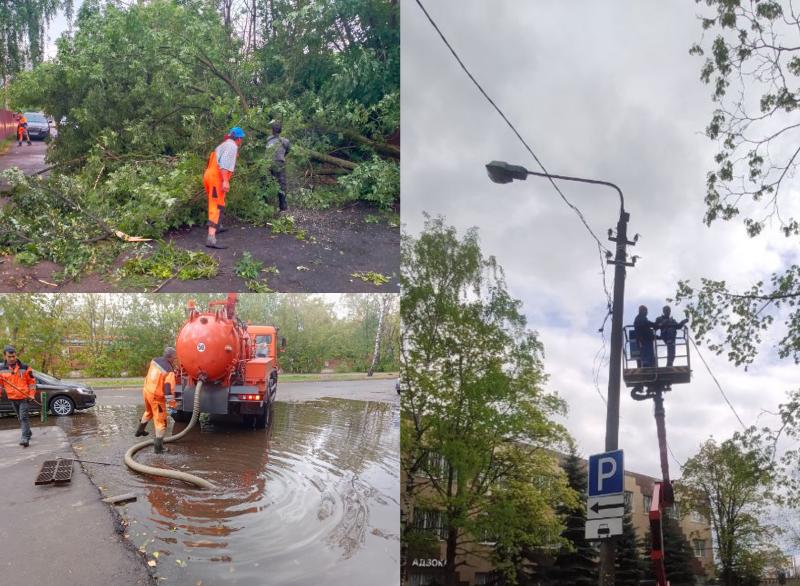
[(508, 122), (719, 386)]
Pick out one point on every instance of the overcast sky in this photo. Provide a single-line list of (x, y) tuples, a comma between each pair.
[(600, 90)]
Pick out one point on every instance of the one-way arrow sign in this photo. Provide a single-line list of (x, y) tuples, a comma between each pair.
[(605, 507)]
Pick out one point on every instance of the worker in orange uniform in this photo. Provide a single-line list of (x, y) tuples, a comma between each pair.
[(158, 385), (17, 380), (22, 129), (216, 179)]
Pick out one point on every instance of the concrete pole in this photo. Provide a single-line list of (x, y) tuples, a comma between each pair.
[(608, 548)]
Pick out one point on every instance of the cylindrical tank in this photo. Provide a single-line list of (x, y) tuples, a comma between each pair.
[(210, 344)]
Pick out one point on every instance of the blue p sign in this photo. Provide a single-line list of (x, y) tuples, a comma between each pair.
[(606, 473)]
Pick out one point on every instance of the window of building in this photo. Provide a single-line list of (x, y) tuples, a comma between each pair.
[(436, 465), (432, 521), (628, 501), (674, 512), (647, 500), (696, 517), (422, 579), (487, 579), (699, 547)]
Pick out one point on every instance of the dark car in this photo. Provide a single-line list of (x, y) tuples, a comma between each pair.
[(63, 397), (38, 125)]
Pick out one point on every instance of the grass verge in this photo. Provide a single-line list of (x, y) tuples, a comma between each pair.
[(136, 381)]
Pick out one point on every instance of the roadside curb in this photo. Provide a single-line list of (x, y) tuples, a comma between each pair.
[(65, 526)]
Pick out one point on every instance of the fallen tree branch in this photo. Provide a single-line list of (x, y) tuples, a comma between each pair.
[(322, 157), (381, 147)]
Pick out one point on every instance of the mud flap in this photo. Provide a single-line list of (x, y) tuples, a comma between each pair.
[(213, 400)]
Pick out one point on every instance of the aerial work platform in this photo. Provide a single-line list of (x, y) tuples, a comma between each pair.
[(660, 375)]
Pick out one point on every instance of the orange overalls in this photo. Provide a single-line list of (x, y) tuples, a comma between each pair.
[(155, 404), (18, 381), (22, 128), (213, 179)]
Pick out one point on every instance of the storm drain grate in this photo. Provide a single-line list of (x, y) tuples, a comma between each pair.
[(57, 471)]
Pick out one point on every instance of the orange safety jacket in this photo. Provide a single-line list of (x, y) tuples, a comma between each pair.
[(17, 381), (158, 375)]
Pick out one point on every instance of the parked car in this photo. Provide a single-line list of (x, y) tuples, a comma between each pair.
[(64, 397), (38, 125)]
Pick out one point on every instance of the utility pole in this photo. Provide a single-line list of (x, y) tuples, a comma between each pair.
[(502, 172), (620, 261)]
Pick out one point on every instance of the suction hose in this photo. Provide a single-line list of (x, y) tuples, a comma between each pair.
[(166, 472)]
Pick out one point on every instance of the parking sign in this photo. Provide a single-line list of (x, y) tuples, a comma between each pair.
[(606, 473)]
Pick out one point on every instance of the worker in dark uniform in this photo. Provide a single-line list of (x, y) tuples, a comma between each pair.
[(19, 385), (277, 149), (645, 338), (158, 385), (668, 330)]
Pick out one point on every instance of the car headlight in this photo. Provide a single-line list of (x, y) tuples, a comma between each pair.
[(83, 391)]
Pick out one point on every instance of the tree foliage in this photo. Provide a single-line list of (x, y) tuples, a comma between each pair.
[(22, 32), (629, 565), (752, 63), (115, 335), (477, 426), (144, 92), (577, 565), (732, 484)]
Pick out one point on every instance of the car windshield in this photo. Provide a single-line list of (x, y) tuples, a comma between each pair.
[(45, 378), (35, 117)]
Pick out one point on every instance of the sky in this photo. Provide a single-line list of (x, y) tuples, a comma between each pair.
[(605, 91)]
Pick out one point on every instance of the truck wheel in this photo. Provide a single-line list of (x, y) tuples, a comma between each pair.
[(263, 417)]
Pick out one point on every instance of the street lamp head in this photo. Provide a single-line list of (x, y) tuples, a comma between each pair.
[(500, 172)]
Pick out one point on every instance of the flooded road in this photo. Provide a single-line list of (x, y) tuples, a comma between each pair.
[(314, 499)]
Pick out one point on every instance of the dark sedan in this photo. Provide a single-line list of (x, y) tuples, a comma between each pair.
[(63, 397), (38, 125)]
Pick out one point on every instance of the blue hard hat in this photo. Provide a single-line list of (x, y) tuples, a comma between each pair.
[(236, 132)]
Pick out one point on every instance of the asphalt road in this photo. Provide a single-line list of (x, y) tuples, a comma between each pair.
[(28, 158), (49, 530), (380, 390)]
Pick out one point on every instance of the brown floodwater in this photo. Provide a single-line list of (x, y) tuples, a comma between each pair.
[(314, 499)]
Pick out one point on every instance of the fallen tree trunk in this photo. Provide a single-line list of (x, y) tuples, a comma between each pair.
[(323, 158), (381, 147)]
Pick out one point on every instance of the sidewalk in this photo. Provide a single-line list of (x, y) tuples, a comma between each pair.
[(28, 158), (59, 535)]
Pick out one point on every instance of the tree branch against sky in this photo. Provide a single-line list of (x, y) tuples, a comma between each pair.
[(752, 64)]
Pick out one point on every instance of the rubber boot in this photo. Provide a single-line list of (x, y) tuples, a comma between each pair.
[(211, 242), (140, 430), (24, 443), (158, 446), (282, 201)]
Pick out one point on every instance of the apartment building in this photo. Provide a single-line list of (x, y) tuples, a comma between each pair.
[(476, 570)]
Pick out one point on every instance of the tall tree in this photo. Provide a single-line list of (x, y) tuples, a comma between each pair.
[(22, 32), (732, 485), (477, 426), (678, 554), (376, 353), (752, 63), (629, 565), (577, 565)]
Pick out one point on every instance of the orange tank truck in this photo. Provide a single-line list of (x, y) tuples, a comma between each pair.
[(238, 363)]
